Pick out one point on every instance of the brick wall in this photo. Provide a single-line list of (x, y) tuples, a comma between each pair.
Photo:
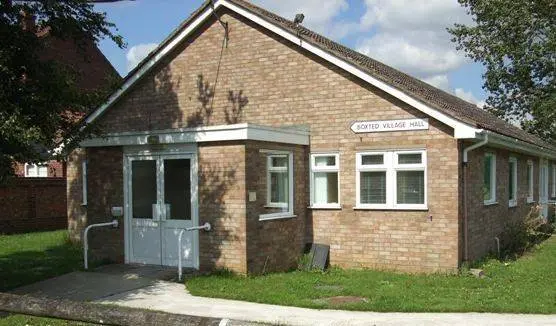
[(265, 80), (275, 245), (33, 204), (488, 221), (104, 190), (222, 203)]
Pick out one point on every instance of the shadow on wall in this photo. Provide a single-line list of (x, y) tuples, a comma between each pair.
[(233, 111), (216, 193)]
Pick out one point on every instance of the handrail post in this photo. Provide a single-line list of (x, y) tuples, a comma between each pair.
[(86, 241), (206, 227)]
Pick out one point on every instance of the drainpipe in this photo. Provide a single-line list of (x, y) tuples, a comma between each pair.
[(465, 221), (114, 223)]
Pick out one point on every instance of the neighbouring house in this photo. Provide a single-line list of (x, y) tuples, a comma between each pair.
[(37, 200), (279, 137)]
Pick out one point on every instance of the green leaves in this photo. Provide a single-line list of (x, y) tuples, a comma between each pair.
[(516, 42), (41, 96)]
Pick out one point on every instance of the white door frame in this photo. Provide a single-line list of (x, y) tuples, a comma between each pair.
[(543, 186), (168, 151)]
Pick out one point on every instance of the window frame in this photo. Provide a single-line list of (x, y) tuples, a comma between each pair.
[(553, 180), (269, 169), (513, 172), (492, 199), (319, 169), (35, 167), (84, 182), (391, 166), (530, 182)]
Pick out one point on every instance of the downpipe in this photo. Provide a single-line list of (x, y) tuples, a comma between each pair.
[(114, 223), (465, 217), (207, 227)]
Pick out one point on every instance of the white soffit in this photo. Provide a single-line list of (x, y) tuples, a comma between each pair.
[(461, 130), (241, 131)]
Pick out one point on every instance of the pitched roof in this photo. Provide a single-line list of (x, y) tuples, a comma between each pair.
[(439, 100)]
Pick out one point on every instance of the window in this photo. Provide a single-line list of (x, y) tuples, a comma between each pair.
[(325, 181), (512, 182), (391, 180), (36, 170), (84, 185), (489, 179), (553, 180), (279, 185), (530, 181)]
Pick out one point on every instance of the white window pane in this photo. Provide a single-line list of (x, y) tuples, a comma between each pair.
[(373, 187), (325, 160), (410, 187), (325, 187), (43, 171), (30, 170), (413, 158), (279, 187), (373, 159), (279, 161)]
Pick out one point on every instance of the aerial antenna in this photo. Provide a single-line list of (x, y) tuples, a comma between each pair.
[(298, 19)]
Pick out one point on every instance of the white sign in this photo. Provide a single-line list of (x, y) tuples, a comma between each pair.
[(390, 125)]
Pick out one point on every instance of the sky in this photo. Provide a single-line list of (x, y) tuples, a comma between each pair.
[(409, 35)]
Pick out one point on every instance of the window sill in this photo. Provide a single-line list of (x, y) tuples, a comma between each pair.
[(84, 204), (512, 204), (530, 201), (490, 203), (367, 208), (276, 217), (276, 206), (325, 206)]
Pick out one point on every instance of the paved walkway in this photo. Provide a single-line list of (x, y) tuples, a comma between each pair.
[(144, 289)]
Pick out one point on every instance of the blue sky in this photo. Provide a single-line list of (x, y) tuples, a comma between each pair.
[(407, 34)]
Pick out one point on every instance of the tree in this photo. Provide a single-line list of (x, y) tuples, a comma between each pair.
[(39, 98), (515, 40)]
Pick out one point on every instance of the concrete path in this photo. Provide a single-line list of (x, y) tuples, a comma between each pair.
[(172, 297), (147, 287)]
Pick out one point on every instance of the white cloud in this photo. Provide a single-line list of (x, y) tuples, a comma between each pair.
[(137, 53), (319, 14), (439, 81), (412, 35), (469, 97)]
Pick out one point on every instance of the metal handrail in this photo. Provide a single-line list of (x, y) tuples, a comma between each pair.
[(114, 223), (206, 227)]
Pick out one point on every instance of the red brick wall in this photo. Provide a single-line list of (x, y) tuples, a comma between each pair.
[(33, 204), (265, 80), (489, 221), (275, 245)]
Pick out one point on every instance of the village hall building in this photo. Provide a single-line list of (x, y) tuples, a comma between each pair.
[(279, 138)]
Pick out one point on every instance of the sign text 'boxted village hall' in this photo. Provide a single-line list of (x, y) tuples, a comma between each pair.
[(390, 125)]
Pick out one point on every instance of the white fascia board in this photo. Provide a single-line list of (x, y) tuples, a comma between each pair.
[(241, 131), (461, 130), (497, 140)]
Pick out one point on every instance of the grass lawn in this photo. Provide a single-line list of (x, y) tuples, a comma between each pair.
[(524, 286), (32, 257)]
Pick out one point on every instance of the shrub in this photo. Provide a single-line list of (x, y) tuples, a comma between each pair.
[(525, 234)]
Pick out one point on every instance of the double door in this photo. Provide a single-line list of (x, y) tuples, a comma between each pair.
[(160, 202)]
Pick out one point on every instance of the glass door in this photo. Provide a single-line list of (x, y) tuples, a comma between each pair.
[(145, 213)]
